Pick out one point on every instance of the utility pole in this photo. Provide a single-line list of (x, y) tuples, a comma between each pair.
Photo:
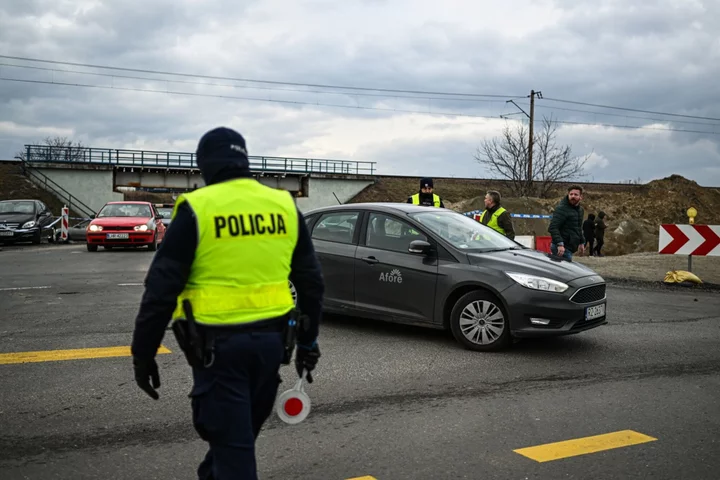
[(530, 140)]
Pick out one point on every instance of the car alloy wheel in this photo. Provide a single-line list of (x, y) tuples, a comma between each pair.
[(479, 322)]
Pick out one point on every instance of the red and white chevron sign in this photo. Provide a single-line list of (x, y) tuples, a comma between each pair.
[(697, 240)]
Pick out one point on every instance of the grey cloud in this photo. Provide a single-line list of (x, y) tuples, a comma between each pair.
[(648, 57)]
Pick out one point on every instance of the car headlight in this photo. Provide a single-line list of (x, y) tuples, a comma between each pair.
[(95, 228), (538, 283), (29, 224), (141, 228)]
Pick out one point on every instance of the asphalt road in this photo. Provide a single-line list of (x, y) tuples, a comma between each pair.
[(390, 402)]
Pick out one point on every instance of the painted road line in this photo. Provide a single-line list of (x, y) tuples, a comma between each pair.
[(75, 354), (130, 284), (8, 289), (366, 477), (583, 446)]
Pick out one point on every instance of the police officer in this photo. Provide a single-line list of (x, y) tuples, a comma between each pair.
[(426, 195), (496, 217), (230, 250)]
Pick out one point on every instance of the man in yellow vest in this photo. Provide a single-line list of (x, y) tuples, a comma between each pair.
[(222, 277), (426, 196), (496, 217)]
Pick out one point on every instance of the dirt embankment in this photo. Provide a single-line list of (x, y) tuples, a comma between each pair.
[(14, 186), (634, 213), (652, 267)]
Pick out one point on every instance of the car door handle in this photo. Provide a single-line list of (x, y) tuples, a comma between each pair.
[(370, 260)]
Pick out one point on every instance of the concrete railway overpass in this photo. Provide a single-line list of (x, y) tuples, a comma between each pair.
[(89, 177), (95, 176)]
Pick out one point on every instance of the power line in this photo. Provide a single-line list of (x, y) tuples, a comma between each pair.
[(632, 109), (622, 115), (187, 82), (325, 92), (355, 88), (318, 104), (273, 82), (191, 94)]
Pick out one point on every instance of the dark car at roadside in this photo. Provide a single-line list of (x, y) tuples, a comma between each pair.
[(24, 220), (166, 210), (438, 268)]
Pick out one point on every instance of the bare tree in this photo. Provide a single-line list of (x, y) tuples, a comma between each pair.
[(507, 156), (54, 149)]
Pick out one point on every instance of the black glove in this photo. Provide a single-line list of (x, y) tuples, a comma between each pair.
[(146, 369), (306, 359)]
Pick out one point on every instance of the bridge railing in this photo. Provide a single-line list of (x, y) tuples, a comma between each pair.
[(151, 158)]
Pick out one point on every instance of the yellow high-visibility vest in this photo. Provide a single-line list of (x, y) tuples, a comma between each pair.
[(416, 199), (247, 234), (493, 223)]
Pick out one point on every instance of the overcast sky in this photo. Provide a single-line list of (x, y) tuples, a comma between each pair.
[(663, 56)]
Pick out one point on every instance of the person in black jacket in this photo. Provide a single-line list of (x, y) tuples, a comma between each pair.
[(599, 232), (234, 395), (566, 225), (589, 232)]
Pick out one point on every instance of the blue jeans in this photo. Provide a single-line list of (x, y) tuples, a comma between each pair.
[(567, 255), (233, 398)]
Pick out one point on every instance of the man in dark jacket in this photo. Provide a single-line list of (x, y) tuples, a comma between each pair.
[(566, 225)]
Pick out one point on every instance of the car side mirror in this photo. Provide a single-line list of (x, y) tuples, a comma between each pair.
[(419, 246)]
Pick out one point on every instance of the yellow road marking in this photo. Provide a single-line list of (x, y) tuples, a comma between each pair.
[(366, 477), (76, 354), (583, 446)]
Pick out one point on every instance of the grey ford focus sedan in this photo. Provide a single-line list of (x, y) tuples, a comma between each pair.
[(434, 267)]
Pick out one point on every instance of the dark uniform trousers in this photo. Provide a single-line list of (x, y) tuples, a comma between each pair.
[(232, 399)]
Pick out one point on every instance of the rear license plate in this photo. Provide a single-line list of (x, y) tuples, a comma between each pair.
[(596, 311), (5, 233), (117, 235)]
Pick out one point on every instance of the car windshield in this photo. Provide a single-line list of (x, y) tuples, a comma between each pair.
[(464, 233), (10, 206), (125, 210), (166, 212)]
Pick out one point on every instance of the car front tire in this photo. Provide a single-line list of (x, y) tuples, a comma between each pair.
[(92, 248), (479, 322)]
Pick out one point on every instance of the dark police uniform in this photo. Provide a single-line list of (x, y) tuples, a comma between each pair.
[(230, 250)]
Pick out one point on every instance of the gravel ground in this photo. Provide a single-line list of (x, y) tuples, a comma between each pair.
[(652, 267)]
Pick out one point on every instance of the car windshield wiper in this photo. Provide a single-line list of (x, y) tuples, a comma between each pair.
[(499, 249)]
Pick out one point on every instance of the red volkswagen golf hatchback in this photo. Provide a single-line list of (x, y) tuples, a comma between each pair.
[(126, 224)]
